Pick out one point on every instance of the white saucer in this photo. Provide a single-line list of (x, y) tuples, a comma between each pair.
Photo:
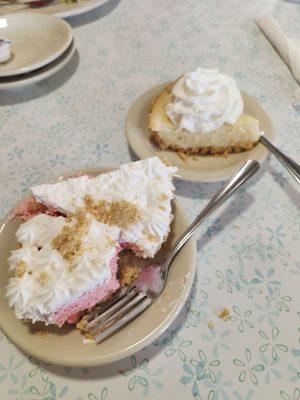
[(202, 168), (36, 40), (60, 8), (40, 74)]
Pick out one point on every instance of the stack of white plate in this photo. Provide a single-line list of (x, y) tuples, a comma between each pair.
[(41, 45)]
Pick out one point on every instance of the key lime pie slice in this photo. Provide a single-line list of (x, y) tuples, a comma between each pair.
[(202, 112), (67, 261)]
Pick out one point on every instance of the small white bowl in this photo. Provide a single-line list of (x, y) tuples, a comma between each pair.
[(36, 40)]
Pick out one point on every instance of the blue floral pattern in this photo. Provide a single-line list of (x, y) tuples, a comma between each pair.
[(247, 252)]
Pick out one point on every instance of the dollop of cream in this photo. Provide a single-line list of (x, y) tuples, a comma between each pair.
[(4, 50), (203, 100)]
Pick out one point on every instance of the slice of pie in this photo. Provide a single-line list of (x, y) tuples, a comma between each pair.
[(136, 198), (67, 261), (64, 266), (228, 138)]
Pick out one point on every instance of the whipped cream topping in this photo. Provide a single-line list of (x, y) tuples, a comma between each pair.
[(147, 184), (48, 281), (203, 100), (39, 230), (4, 50)]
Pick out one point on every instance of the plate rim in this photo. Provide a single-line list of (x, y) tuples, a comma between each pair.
[(92, 4), (76, 10), (93, 362), (183, 173), (48, 60), (38, 75)]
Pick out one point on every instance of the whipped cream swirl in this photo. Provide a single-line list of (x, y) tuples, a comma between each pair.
[(204, 100)]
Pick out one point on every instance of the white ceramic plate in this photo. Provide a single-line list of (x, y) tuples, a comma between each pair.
[(64, 346), (60, 8), (201, 168), (40, 74), (36, 40)]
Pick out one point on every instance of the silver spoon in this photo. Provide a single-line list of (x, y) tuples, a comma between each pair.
[(290, 165)]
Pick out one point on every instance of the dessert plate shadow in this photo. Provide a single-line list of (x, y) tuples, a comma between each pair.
[(13, 82), (197, 168), (64, 346)]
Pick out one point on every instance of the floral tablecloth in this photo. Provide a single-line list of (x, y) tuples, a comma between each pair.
[(248, 253)]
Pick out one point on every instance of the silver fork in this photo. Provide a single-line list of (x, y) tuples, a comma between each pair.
[(131, 301)]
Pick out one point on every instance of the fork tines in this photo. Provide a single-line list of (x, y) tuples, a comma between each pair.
[(123, 308)]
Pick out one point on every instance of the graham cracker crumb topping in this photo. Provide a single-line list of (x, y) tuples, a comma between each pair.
[(128, 274), (68, 242), (163, 196), (152, 238), (43, 278), (20, 269), (121, 213)]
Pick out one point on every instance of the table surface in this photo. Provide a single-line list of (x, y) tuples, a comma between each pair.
[(247, 252)]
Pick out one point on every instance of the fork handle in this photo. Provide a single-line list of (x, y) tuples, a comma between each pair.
[(237, 180), (290, 165)]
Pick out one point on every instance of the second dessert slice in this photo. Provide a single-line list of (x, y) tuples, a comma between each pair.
[(202, 112)]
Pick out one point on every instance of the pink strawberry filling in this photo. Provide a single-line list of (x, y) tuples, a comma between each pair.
[(130, 246), (29, 208), (89, 299)]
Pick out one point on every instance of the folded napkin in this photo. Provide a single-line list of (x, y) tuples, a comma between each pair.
[(287, 47)]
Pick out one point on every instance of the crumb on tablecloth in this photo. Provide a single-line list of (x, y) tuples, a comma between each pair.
[(211, 325), (224, 314)]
